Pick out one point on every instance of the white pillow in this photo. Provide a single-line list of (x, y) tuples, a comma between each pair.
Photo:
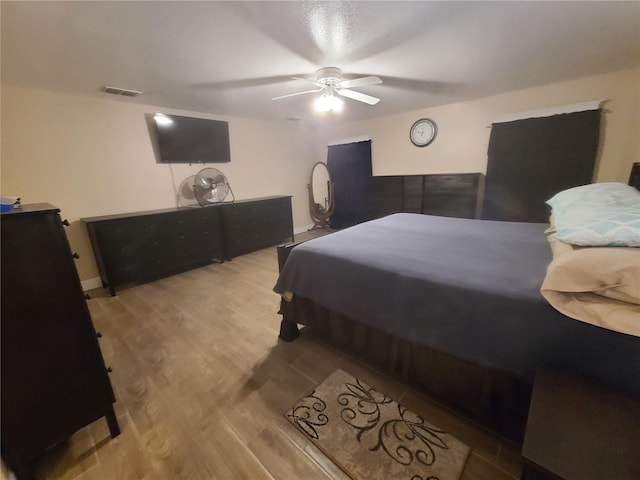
[(617, 226), (600, 214), (596, 194)]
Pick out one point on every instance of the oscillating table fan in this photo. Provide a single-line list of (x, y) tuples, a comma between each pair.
[(211, 186), (186, 195)]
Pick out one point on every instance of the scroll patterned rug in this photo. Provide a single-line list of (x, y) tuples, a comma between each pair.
[(371, 436)]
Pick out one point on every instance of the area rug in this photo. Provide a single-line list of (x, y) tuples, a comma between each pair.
[(370, 436)]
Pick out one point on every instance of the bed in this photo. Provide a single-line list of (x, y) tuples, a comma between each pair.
[(453, 306)]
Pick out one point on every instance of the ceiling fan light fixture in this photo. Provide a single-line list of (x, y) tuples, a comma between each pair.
[(329, 82), (327, 102)]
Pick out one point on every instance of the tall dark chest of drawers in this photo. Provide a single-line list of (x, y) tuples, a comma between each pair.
[(54, 379)]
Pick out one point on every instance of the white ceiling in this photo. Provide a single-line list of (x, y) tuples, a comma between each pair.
[(230, 58)]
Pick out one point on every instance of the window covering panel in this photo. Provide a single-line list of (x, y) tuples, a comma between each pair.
[(350, 168), (532, 159)]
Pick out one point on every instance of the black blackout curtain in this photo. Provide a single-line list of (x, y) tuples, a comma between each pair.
[(530, 160), (350, 167)]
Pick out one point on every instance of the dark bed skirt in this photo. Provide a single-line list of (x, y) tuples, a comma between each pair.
[(493, 398)]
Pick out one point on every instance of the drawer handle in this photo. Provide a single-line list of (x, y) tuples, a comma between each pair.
[(109, 370), (75, 255), (87, 296), (65, 222), (99, 334)]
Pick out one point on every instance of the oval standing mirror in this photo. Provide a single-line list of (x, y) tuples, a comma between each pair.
[(321, 199)]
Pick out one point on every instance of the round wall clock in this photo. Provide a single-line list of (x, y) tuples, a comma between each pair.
[(423, 132)]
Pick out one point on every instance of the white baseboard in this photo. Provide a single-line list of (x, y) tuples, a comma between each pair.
[(91, 284), (302, 229)]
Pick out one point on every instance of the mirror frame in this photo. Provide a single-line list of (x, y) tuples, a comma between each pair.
[(319, 214)]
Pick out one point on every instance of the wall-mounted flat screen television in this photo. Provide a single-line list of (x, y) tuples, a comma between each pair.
[(190, 140)]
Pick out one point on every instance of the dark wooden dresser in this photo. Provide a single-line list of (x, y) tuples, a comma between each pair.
[(251, 225), (142, 246), (134, 248), (53, 376), (449, 195)]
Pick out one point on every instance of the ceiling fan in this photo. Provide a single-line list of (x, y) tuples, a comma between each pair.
[(329, 82)]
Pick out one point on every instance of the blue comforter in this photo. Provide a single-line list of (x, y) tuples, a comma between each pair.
[(466, 287)]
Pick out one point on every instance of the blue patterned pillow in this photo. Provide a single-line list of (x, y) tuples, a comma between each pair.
[(597, 215), (617, 226), (596, 194)]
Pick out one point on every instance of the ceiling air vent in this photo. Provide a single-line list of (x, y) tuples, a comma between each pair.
[(121, 91)]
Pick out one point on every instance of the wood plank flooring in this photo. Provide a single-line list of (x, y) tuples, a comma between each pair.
[(202, 383)]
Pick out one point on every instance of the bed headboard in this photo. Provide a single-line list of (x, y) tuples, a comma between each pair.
[(634, 176)]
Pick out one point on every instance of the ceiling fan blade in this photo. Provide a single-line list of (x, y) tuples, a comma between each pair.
[(298, 93), (361, 97), (360, 82)]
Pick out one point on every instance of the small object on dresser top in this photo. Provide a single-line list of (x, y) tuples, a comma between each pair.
[(8, 203)]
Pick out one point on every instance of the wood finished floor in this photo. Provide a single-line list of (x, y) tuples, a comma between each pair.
[(202, 381)]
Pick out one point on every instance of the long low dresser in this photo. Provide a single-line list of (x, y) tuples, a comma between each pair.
[(138, 247)]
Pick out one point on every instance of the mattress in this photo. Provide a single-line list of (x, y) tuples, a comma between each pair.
[(465, 287)]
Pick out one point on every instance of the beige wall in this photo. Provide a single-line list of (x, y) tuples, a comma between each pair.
[(94, 157), (463, 136)]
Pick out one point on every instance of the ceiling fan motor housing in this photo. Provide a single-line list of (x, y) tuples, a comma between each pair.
[(329, 75)]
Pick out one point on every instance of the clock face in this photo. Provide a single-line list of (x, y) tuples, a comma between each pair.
[(423, 132)]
